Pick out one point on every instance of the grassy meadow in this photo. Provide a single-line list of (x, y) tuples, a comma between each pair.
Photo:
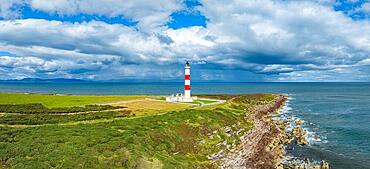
[(52, 101), (150, 107), (161, 135)]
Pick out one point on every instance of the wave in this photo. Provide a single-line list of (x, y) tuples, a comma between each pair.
[(286, 114)]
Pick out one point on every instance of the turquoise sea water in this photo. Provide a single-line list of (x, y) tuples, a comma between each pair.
[(338, 112)]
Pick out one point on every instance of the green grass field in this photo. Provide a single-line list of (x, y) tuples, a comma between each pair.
[(60, 100), (203, 101), (173, 139)]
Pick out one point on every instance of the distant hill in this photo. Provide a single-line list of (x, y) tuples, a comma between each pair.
[(38, 80)]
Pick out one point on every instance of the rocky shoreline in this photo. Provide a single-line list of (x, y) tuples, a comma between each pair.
[(264, 146)]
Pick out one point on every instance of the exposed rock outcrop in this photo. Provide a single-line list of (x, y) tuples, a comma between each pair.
[(300, 134), (262, 147), (306, 164)]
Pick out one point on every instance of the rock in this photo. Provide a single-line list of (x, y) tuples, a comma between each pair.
[(300, 134), (216, 155), (301, 140), (324, 165), (302, 166), (260, 147), (227, 129), (282, 127), (299, 122), (224, 143), (238, 132), (297, 131), (306, 164), (280, 166), (279, 122), (288, 138)]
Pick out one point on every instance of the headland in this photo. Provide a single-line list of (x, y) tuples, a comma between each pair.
[(70, 131)]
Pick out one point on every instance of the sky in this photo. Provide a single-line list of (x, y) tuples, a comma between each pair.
[(224, 40)]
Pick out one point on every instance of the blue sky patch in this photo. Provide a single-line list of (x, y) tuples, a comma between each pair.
[(188, 17), (183, 19), (349, 7), (4, 53)]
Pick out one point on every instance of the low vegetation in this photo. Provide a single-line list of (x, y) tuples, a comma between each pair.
[(37, 119), (184, 138), (52, 100), (37, 108)]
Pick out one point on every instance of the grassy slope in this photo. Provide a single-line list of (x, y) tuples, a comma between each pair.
[(176, 139), (38, 119), (59, 100)]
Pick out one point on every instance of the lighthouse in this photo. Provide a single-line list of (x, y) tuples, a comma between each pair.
[(186, 97), (187, 82)]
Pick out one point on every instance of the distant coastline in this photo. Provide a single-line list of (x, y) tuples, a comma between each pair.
[(38, 80), (132, 81)]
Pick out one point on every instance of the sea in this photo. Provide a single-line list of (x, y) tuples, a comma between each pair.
[(336, 114)]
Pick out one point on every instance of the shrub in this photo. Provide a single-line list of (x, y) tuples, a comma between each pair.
[(34, 108)]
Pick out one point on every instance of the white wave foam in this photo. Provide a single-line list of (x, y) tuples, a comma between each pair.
[(285, 114)]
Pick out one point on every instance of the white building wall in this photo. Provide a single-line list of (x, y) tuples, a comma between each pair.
[(187, 82), (187, 71), (187, 93)]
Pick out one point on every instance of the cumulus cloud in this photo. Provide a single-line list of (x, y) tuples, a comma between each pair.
[(95, 49), (284, 36), (259, 40), (22, 67), (149, 14), (9, 8), (77, 39)]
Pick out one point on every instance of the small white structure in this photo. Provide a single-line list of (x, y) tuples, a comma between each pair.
[(179, 98), (187, 96)]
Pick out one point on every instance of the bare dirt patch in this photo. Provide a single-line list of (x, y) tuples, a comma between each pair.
[(150, 107)]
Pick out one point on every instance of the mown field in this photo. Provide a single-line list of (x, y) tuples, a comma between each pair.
[(182, 137), (150, 107)]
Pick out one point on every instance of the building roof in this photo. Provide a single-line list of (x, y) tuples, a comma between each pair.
[(187, 64)]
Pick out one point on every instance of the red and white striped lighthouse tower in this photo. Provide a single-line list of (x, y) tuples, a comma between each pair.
[(187, 95)]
